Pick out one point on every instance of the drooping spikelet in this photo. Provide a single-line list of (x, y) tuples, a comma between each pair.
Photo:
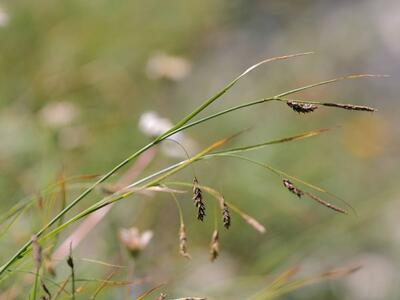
[(351, 107), (290, 186), (183, 242), (214, 246), (226, 215), (198, 200), (301, 107)]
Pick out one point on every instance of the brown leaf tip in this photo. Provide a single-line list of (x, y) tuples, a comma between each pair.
[(301, 107)]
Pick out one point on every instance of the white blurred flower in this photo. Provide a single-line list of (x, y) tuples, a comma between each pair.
[(58, 114), (171, 67), (153, 125), (135, 241), (4, 18)]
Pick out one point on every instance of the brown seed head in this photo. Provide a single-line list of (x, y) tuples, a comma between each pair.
[(301, 107), (290, 186), (226, 216), (198, 200)]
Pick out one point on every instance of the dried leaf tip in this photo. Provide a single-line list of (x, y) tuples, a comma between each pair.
[(290, 186), (214, 246), (226, 215), (183, 242), (351, 107), (198, 200), (301, 107)]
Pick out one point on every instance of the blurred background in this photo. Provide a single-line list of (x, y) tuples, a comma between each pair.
[(83, 84)]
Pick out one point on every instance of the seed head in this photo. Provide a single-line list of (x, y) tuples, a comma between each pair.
[(301, 107), (198, 200), (290, 186), (70, 262), (226, 215), (351, 107)]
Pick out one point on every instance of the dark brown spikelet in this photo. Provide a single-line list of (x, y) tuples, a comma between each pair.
[(290, 186), (183, 242), (198, 200), (226, 215), (70, 261), (301, 107), (214, 246), (351, 107), (36, 251)]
